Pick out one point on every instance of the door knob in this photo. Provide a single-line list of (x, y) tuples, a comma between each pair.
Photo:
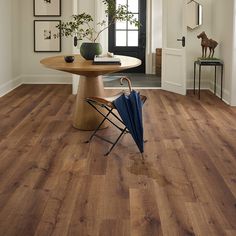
[(182, 40)]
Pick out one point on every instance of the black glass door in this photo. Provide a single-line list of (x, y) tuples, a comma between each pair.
[(126, 39)]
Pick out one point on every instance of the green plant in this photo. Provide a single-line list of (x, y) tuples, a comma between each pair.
[(81, 26)]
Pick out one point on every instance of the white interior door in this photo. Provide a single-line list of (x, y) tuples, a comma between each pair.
[(173, 52)]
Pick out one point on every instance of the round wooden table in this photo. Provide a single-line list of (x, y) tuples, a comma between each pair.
[(90, 84)]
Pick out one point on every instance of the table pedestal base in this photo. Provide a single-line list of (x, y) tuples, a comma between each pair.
[(85, 117)]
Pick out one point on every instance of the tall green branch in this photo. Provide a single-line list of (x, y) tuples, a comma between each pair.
[(80, 25)]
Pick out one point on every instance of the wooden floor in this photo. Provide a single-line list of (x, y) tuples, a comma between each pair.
[(52, 183)]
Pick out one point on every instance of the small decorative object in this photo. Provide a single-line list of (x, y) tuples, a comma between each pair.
[(69, 59), (82, 27), (47, 7), (45, 36), (207, 43)]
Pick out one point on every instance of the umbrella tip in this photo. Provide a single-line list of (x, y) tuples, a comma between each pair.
[(143, 159)]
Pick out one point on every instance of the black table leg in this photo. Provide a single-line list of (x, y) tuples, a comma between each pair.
[(194, 78), (215, 82), (199, 85)]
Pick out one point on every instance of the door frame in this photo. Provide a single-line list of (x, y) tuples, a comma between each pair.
[(153, 7)]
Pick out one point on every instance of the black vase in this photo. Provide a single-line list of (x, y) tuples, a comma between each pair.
[(89, 50)]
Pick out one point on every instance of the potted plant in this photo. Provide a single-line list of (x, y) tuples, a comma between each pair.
[(80, 27)]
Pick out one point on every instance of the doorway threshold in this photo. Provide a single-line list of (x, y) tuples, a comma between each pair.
[(139, 81)]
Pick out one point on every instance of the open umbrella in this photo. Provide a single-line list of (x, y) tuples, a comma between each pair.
[(129, 108)]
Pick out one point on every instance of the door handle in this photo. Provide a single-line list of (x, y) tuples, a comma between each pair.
[(75, 41), (182, 40)]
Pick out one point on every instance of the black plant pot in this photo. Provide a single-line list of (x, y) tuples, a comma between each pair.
[(89, 50)]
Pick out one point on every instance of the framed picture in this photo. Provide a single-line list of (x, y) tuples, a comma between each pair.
[(46, 36), (47, 7)]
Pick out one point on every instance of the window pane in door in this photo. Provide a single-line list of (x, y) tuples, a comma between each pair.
[(121, 38), (121, 25), (133, 38), (133, 6), (121, 2), (133, 26)]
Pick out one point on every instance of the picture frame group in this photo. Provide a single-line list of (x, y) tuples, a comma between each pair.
[(47, 36)]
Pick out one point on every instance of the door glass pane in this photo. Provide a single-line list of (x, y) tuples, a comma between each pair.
[(121, 25), (121, 38), (127, 35), (121, 2), (133, 38), (133, 26), (133, 6)]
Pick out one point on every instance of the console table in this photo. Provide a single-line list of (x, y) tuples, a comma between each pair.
[(215, 63)]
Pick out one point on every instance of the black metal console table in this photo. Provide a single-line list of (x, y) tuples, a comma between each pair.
[(209, 62)]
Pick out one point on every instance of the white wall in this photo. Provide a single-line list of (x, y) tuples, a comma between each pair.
[(9, 46), (16, 40), (157, 24), (233, 77), (5, 39), (31, 69), (222, 30), (193, 45)]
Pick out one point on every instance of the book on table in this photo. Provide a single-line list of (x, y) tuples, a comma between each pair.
[(106, 60)]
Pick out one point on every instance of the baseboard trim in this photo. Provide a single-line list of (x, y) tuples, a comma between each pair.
[(217, 94), (226, 95), (47, 79), (202, 88), (10, 85)]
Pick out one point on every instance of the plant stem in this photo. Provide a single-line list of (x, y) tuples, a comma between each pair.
[(98, 34)]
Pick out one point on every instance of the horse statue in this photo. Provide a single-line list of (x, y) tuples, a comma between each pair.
[(207, 43)]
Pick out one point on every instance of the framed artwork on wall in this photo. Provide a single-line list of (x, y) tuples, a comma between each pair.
[(46, 36), (47, 7)]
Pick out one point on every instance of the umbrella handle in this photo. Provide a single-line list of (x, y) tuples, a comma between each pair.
[(128, 81)]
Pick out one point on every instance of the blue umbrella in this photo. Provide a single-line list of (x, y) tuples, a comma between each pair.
[(129, 108)]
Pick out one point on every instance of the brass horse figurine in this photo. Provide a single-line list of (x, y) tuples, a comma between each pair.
[(207, 43)]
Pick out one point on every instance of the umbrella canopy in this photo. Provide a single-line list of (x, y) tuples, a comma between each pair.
[(129, 108)]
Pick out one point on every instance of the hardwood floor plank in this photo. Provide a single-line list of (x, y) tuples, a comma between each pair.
[(116, 191), (86, 218), (200, 224), (53, 183), (144, 215), (230, 232), (114, 228)]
